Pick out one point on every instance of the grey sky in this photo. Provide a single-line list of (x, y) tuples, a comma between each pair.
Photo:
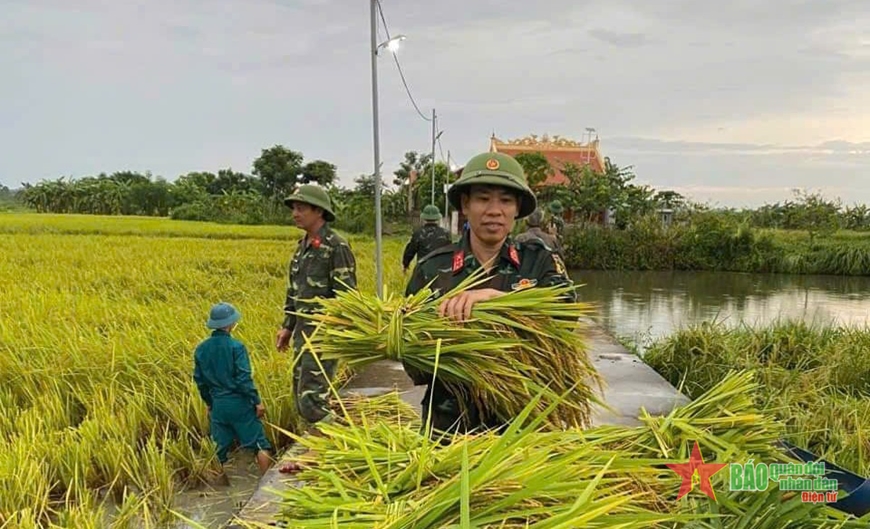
[(730, 102)]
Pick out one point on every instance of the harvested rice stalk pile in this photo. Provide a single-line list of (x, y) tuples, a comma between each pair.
[(385, 475), (514, 347)]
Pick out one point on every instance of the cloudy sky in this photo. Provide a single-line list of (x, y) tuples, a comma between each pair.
[(730, 102)]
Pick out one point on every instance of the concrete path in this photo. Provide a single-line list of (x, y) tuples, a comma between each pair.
[(629, 385)]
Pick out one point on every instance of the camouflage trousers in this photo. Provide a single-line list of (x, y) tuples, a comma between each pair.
[(310, 386)]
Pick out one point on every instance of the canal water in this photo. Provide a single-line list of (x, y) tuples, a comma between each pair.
[(643, 306)]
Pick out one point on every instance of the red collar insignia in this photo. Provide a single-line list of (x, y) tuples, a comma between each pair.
[(513, 255), (315, 242), (458, 260)]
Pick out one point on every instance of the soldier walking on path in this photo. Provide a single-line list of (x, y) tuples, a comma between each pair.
[(322, 265), (427, 238), (492, 193), (534, 231)]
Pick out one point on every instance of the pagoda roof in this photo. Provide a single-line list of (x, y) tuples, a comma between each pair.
[(557, 150)]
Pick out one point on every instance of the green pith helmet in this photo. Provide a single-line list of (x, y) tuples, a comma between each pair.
[(495, 169), (313, 196), (431, 212), (556, 207)]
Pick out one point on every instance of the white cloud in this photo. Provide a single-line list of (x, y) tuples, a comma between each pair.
[(190, 85)]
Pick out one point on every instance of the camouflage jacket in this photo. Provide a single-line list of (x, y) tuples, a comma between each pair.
[(318, 269), (538, 233), (424, 241), (520, 265)]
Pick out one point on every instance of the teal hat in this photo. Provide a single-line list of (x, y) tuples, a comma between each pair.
[(222, 315), (431, 212)]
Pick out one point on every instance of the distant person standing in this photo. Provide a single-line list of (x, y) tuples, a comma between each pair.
[(534, 231), (427, 238)]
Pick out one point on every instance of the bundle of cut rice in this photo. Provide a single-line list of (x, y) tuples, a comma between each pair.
[(513, 347), (373, 471)]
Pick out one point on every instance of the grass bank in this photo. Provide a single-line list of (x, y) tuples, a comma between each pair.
[(713, 243), (815, 379), (101, 315)]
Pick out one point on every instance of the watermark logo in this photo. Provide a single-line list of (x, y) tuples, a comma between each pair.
[(806, 478), (705, 472)]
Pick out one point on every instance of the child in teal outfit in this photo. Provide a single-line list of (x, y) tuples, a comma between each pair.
[(222, 372)]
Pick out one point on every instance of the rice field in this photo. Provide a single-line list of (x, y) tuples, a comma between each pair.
[(815, 379), (98, 320)]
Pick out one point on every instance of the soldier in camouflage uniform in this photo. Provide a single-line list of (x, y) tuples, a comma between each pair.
[(535, 232), (492, 193), (429, 237), (557, 223), (322, 265)]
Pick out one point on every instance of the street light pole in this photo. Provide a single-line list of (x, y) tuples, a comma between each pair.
[(379, 258)]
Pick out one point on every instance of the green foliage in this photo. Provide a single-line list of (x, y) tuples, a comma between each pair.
[(278, 169), (9, 200), (413, 164), (423, 186), (710, 240), (227, 196), (354, 208), (318, 172), (589, 194), (536, 166), (811, 212)]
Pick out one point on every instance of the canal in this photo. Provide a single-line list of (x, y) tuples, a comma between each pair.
[(643, 306)]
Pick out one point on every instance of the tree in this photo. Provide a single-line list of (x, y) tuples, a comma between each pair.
[(590, 194), (131, 177), (422, 190), (319, 172), (669, 199), (365, 186), (229, 181), (536, 166), (414, 164), (815, 214), (278, 169)]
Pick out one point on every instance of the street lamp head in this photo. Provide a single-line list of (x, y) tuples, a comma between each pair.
[(392, 44)]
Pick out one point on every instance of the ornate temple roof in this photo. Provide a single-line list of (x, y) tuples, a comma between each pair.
[(556, 149)]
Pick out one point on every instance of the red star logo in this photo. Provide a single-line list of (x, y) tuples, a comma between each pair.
[(705, 472)]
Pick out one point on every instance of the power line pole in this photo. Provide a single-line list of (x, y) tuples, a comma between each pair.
[(432, 200), (446, 184)]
